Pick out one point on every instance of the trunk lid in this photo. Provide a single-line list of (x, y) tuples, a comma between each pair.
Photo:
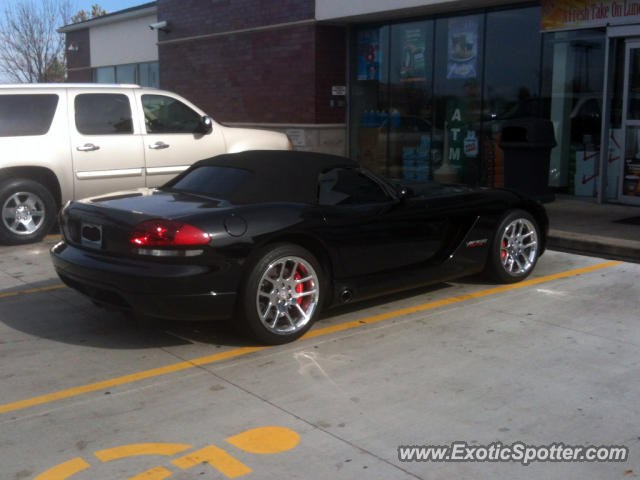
[(111, 219)]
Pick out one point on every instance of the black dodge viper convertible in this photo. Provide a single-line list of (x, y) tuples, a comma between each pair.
[(271, 237)]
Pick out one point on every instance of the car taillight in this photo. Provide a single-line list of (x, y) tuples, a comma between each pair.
[(167, 233)]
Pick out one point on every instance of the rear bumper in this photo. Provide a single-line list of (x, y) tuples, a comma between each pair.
[(171, 291)]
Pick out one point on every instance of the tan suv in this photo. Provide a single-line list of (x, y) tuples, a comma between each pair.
[(59, 142)]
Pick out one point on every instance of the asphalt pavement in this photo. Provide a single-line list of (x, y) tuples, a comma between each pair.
[(88, 394)]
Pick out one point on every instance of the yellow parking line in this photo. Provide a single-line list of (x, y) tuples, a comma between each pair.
[(265, 440), (124, 451), (217, 458), (156, 473), (448, 301), (48, 288), (55, 236), (64, 470), (135, 377)]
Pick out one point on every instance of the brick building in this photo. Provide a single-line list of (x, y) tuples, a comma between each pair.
[(412, 88), (258, 63)]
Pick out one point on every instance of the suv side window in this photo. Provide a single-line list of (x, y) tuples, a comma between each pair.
[(22, 115), (347, 186), (103, 114), (164, 114)]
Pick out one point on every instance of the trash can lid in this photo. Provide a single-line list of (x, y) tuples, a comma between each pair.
[(535, 132)]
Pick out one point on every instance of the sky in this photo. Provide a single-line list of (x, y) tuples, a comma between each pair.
[(108, 5)]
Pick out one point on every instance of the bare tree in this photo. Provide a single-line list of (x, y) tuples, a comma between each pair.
[(84, 15), (31, 50)]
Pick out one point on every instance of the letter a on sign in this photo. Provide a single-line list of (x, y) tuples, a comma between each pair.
[(456, 115)]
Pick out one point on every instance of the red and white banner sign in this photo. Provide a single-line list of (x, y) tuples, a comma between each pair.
[(570, 14)]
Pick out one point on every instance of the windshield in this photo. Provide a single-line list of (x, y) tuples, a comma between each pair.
[(211, 181)]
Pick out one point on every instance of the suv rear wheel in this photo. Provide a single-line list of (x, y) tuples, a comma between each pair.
[(27, 211)]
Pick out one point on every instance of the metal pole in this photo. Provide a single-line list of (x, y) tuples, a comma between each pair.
[(606, 120)]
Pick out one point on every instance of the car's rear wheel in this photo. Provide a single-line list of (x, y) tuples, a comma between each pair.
[(515, 248), (28, 211), (282, 295)]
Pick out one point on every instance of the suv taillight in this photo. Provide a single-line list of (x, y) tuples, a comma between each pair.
[(167, 233)]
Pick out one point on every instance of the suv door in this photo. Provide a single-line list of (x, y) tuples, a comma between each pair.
[(171, 144), (106, 144)]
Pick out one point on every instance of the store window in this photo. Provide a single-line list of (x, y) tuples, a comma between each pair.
[(126, 73), (143, 74), (408, 126), (148, 74), (573, 66), (370, 97), (458, 97), (511, 82), (104, 75), (429, 97)]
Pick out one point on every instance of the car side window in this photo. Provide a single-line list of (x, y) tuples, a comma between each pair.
[(348, 186), (103, 114), (22, 115), (164, 114)]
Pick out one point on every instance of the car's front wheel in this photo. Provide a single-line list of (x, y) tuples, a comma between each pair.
[(515, 248), (282, 295), (28, 211)]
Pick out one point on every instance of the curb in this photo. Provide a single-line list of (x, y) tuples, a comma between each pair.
[(616, 248)]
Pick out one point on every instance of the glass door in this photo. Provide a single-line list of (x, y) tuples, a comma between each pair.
[(630, 184)]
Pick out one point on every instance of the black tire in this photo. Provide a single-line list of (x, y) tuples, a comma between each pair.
[(10, 235), (515, 254), (250, 301)]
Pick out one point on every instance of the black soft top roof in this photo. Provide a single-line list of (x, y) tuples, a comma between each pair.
[(277, 175)]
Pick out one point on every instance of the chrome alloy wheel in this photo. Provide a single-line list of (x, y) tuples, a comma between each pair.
[(288, 294), (519, 247), (23, 213)]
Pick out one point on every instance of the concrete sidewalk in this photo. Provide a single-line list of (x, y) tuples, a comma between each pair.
[(581, 225)]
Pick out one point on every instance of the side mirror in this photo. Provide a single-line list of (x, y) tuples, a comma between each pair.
[(404, 193), (206, 125)]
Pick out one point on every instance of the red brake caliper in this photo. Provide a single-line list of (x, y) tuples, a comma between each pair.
[(503, 250), (300, 286)]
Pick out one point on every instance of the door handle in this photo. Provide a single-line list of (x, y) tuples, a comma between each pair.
[(159, 146), (88, 147)]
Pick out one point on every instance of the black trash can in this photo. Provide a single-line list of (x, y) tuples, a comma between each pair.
[(527, 144)]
